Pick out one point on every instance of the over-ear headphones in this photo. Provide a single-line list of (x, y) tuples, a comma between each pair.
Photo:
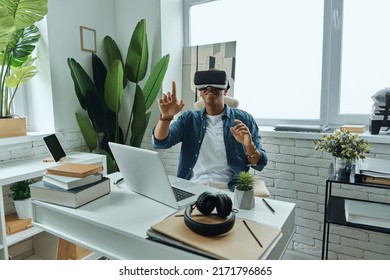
[(206, 203)]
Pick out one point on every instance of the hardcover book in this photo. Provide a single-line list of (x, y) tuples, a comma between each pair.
[(78, 170), (73, 198), (353, 128), (68, 183)]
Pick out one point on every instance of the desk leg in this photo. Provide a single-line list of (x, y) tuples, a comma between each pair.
[(325, 235), (63, 250)]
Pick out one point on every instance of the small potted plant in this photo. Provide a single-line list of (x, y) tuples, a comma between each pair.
[(244, 196), (345, 147), (20, 193)]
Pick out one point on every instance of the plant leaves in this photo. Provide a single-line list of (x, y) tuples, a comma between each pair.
[(20, 76), (113, 87), (113, 53), (136, 140), (139, 122), (82, 82), (88, 132), (154, 82), (137, 54), (26, 12), (7, 27), (96, 111), (99, 73)]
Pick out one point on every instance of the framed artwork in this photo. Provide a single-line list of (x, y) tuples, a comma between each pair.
[(88, 39)]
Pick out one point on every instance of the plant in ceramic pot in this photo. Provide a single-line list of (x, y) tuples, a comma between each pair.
[(18, 37), (244, 197), (20, 193), (345, 147)]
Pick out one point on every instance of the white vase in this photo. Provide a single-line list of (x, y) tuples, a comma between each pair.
[(23, 208), (342, 168), (244, 199)]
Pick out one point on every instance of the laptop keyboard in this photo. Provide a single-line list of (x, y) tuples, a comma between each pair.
[(181, 194)]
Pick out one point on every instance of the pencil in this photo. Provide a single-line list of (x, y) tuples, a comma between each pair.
[(269, 206), (258, 241)]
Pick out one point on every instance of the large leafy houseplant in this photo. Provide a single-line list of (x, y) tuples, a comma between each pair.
[(101, 96), (18, 36)]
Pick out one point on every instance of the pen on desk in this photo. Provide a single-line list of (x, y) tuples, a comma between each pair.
[(269, 206), (118, 181), (254, 236)]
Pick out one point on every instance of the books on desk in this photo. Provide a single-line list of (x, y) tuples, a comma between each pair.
[(67, 182), (79, 170), (73, 198), (367, 213), (373, 171), (236, 244)]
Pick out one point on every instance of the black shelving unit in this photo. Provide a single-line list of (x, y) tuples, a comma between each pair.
[(334, 211)]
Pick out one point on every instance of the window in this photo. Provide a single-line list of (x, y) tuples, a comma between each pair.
[(366, 55), (293, 65)]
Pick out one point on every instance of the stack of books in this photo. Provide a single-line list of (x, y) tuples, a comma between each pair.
[(71, 185), (373, 171)]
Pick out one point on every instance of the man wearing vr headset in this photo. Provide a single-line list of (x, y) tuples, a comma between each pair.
[(218, 141)]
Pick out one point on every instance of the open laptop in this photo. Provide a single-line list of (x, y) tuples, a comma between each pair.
[(144, 173)]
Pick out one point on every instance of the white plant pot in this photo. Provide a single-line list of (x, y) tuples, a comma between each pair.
[(244, 199), (23, 208)]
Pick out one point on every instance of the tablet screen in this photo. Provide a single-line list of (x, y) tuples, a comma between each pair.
[(54, 146)]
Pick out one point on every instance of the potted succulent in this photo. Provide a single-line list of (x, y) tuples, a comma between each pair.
[(244, 197), (345, 147), (17, 42), (20, 193)]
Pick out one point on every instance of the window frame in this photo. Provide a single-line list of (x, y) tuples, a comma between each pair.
[(331, 67)]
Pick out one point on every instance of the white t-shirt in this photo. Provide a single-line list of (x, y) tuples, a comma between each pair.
[(211, 168)]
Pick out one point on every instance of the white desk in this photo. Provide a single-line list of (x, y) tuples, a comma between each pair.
[(27, 169), (116, 224)]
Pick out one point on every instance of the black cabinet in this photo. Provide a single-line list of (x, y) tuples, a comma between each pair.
[(334, 211)]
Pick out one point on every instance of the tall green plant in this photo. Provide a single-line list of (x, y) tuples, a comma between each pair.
[(101, 96), (18, 37)]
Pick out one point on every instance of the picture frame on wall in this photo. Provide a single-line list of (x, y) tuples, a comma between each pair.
[(88, 39)]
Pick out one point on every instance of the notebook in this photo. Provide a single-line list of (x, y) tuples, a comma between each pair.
[(144, 173)]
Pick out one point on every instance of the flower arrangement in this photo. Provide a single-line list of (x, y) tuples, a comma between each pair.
[(343, 145)]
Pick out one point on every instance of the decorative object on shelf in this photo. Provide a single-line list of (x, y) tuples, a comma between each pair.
[(244, 197), (380, 112), (12, 126), (20, 193), (101, 97), (345, 147), (17, 43)]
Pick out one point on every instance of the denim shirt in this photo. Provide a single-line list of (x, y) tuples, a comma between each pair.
[(190, 128)]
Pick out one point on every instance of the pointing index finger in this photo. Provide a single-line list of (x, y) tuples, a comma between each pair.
[(174, 88)]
